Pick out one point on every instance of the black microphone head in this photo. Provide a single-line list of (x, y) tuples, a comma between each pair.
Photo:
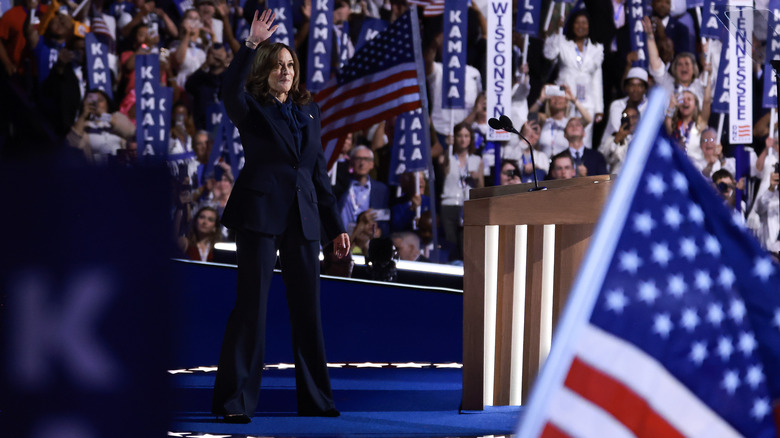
[(495, 123), (507, 122)]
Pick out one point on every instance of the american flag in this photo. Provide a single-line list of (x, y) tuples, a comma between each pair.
[(431, 8), (673, 325), (378, 82)]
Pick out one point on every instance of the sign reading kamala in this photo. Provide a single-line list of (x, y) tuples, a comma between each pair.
[(740, 72), (283, 11), (499, 71), (409, 152), (152, 108), (85, 307), (529, 13), (454, 54), (772, 52), (637, 32), (712, 19), (720, 100), (320, 44), (98, 73), (370, 29)]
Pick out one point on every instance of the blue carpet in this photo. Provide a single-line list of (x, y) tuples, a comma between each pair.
[(373, 402)]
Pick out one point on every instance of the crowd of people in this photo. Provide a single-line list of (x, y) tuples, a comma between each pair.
[(578, 100)]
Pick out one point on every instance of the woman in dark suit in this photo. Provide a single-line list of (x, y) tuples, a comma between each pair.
[(280, 201)]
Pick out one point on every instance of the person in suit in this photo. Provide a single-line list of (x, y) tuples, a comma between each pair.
[(280, 201), (364, 192), (586, 160)]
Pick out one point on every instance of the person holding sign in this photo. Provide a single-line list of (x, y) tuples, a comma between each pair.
[(280, 201)]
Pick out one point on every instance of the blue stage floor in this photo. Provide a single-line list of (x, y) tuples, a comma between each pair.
[(374, 402)]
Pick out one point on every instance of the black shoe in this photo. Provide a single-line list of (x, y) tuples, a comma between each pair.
[(236, 419), (332, 412)]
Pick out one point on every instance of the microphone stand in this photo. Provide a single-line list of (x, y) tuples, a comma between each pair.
[(506, 124)]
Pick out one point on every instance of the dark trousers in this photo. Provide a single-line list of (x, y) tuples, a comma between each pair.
[(237, 384)]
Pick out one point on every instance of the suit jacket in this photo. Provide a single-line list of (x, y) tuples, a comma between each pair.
[(276, 175), (378, 198), (594, 161)]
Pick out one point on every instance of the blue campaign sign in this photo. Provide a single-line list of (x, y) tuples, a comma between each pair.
[(720, 100), (235, 149), (769, 92), (409, 152), (370, 29), (454, 54), (713, 19), (5, 5), (343, 44), (690, 4), (215, 114), (636, 10), (529, 13), (320, 45), (98, 73), (152, 108), (283, 10), (85, 301), (184, 5)]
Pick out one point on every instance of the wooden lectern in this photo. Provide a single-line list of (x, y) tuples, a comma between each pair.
[(521, 252)]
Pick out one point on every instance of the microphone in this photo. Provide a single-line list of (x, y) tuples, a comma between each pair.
[(505, 123)]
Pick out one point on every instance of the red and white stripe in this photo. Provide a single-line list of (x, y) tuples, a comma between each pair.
[(364, 102), (431, 8), (614, 389)]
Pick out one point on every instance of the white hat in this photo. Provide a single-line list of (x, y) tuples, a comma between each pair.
[(637, 73)]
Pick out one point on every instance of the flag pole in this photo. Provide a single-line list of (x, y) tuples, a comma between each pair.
[(593, 270), (418, 59)]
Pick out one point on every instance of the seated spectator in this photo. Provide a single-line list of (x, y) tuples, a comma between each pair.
[(408, 245), (713, 159), (405, 212), (199, 243), (562, 166), (615, 145), (364, 192), (98, 132), (556, 109), (586, 161)]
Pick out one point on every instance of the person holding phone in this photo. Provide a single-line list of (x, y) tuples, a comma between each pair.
[(615, 145), (98, 132), (280, 202)]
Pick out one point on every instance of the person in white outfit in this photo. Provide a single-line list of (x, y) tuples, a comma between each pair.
[(580, 62)]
